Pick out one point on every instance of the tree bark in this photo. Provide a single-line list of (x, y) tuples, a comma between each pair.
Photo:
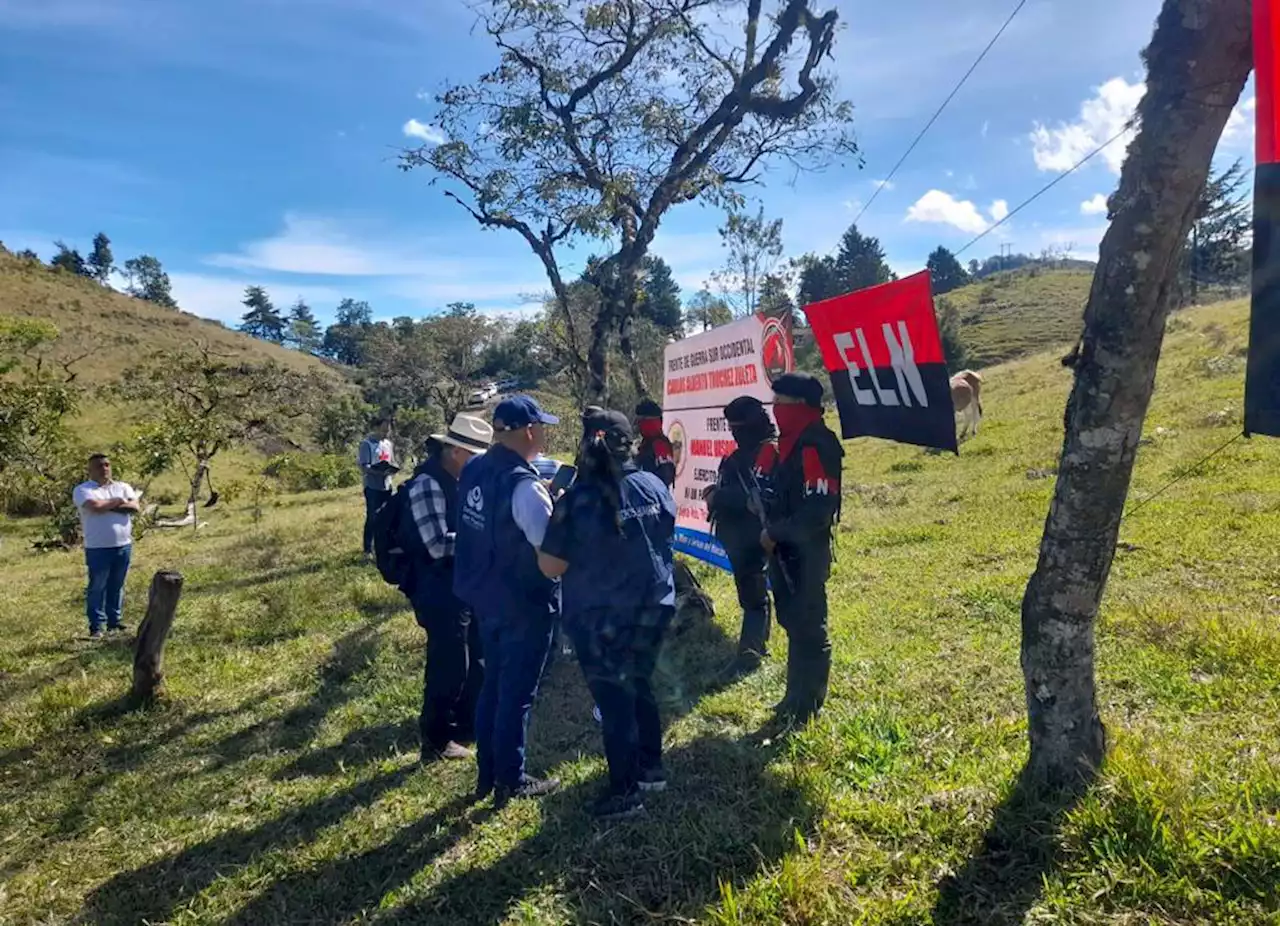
[(148, 653), (1197, 63)]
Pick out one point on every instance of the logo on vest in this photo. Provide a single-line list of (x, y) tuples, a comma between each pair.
[(473, 513)]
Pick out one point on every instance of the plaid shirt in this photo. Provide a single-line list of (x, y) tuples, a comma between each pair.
[(427, 502)]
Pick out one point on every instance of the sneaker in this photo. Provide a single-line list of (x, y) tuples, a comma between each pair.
[(95, 635), (118, 628), (529, 788), (454, 752), (610, 806), (652, 780)]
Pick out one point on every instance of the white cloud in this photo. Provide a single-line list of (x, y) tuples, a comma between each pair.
[(944, 209), (1101, 117), (1095, 206), (319, 246), (379, 263), (427, 133), (999, 210), (884, 185), (218, 297), (1241, 124), (986, 127)]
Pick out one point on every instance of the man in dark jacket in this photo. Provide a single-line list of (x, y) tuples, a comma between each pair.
[(734, 504), (803, 512), (655, 454), (503, 518), (453, 675)]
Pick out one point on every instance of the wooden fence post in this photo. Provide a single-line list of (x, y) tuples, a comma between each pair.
[(162, 604)]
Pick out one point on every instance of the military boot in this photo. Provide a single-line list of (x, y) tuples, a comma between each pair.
[(753, 643), (786, 708), (814, 677)]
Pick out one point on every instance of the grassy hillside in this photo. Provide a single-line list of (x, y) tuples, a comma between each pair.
[(112, 332), (116, 330), (278, 782), (1013, 314)]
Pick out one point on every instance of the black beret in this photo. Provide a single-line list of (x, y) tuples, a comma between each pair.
[(799, 386), (647, 408), (744, 408)]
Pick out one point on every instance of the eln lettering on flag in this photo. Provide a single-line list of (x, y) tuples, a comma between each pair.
[(1262, 378), (882, 350)]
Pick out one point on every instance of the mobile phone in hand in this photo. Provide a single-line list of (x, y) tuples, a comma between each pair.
[(562, 479)]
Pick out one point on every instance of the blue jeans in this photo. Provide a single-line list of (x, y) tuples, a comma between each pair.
[(104, 598), (515, 654)]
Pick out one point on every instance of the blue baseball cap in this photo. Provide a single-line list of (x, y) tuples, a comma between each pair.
[(520, 411)]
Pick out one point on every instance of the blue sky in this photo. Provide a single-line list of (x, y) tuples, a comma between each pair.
[(254, 141)]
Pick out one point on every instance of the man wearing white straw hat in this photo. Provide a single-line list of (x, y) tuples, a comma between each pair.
[(453, 672)]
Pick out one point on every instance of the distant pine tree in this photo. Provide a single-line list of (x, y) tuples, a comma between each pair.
[(303, 330), (101, 261), (262, 321)]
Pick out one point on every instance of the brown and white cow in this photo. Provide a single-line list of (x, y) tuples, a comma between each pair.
[(966, 396)]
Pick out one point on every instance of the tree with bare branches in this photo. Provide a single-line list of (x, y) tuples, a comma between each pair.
[(203, 402), (1197, 64), (604, 114)]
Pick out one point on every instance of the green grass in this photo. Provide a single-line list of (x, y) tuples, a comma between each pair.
[(112, 331), (1021, 312), (276, 782)]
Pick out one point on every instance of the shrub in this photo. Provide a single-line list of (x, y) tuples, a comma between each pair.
[(308, 472)]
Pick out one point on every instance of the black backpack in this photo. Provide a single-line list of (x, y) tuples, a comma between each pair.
[(393, 547)]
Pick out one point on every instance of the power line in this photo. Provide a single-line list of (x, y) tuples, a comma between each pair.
[(1186, 472), (1052, 183), (934, 118)]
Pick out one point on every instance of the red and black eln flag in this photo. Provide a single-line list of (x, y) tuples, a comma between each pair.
[(883, 353), (1262, 380)]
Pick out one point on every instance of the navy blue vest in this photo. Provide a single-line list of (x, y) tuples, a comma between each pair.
[(495, 566), (612, 570)]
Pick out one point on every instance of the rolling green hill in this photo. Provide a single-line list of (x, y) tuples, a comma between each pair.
[(114, 330), (1013, 314)]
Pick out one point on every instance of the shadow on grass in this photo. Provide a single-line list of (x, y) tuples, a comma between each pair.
[(724, 818), (1001, 883), (352, 654), (268, 576), (358, 747), (155, 892)]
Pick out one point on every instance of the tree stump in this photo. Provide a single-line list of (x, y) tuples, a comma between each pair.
[(162, 604)]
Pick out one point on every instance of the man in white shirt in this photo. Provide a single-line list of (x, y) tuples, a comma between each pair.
[(106, 510)]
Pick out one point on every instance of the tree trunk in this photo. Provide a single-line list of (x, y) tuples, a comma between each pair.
[(598, 356), (627, 346), (1197, 63), (148, 654)]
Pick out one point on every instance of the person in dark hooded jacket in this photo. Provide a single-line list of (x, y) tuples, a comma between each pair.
[(655, 453), (804, 509), (734, 504)]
